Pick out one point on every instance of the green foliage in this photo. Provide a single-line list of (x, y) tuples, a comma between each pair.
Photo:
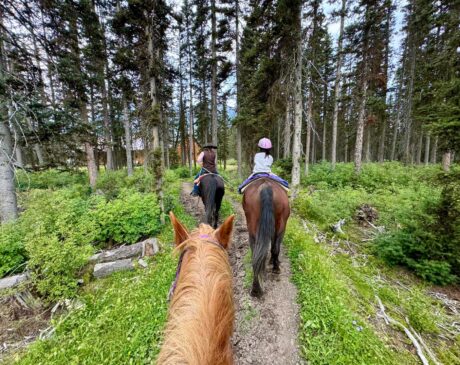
[(420, 222), (283, 168), (127, 218), (112, 182), (332, 331), (182, 172), (49, 179), (13, 254)]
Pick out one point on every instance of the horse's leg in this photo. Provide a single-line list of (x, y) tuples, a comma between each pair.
[(276, 247)]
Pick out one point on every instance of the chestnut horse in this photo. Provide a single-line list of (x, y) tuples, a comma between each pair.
[(212, 191), (266, 206), (201, 313)]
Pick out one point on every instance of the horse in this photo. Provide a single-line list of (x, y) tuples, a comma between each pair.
[(212, 191), (201, 312), (266, 206)]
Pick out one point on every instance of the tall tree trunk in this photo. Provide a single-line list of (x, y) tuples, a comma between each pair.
[(381, 153), (367, 155), (213, 74), (427, 149), (337, 85), (296, 149), (287, 131), (191, 143), (324, 139), (418, 159), (446, 160), (238, 96), (308, 131), (434, 150), (408, 116), (360, 127), (127, 127)]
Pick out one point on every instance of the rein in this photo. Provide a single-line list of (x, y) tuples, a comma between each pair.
[(205, 238)]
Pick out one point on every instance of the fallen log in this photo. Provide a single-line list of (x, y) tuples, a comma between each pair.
[(149, 247), (104, 269), (12, 281)]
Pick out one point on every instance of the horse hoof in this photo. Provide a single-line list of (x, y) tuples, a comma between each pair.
[(257, 292), (276, 270)]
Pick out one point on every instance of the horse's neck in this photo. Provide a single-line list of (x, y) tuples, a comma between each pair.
[(201, 317)]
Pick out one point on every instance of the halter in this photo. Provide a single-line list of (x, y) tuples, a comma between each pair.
[(204, 237)]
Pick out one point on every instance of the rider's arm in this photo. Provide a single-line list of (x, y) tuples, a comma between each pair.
[(200, 159)]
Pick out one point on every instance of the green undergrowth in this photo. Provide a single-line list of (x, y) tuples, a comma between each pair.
[(122, 316), (333, 327), (418, 207)]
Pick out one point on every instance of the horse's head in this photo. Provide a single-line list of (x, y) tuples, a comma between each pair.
[(204, 233), (201, 312)]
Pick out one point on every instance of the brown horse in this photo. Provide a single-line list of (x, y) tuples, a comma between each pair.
[(266, 206), (201, 314)]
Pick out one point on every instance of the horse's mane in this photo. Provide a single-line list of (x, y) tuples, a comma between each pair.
[(201, 314)]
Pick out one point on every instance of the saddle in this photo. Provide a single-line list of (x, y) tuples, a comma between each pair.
[(198, 180), (281, 182)]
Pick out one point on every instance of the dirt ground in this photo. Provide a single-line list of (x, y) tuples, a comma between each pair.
[(265, 329)]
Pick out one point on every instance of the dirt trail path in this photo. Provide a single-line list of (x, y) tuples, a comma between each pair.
[(265, 329)]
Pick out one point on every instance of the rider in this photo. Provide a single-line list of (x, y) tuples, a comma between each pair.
[(207, 159), (263, 160)]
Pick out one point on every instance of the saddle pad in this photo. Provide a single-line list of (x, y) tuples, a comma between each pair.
[(244, 187)]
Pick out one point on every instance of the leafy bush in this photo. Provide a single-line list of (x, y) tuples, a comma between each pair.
[(49, 179), (13, 254), (112, 182), (127, 218), (283, 168)]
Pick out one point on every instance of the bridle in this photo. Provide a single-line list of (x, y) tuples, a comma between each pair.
[(204, 238)]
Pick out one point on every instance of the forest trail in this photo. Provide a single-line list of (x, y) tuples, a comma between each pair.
[(265, 329)]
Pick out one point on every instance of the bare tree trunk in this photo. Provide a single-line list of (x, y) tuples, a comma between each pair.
[(408, 116), (367, 155), (190, 125), (337, 85), (308, 131), (213, 74), (360, 128), (381, 154), (237, 65), (434, 150), (296, 149), (287, 131), (8, 202), (127, 126), (446, 160), (418, 159), (427, 149)]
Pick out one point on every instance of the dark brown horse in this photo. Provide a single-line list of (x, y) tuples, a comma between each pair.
[(212, 191), (266, 206)]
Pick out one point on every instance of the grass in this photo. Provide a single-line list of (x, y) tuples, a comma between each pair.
[(333, 329), (122, 317)]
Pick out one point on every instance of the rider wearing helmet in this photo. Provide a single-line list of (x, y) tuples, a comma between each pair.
[(263, 160)]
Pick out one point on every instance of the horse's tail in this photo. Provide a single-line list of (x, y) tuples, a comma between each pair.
[(265, 231), (210, 198)]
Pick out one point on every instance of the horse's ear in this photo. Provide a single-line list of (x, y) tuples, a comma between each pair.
[(224, 232), (180, 232)]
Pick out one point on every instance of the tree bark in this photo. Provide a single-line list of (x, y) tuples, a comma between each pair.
[(418, 159), (381, 154), (191, 143), (128, 145), (237, 66), (338, 75), (360, 128), (308, 132), (8, 202), (427, 149), (287, 131), (296, 149), (367, 155), (213, 74), (446, 160), (434, 150)]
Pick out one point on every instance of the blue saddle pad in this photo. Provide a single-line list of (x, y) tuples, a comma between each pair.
[(271, 176)]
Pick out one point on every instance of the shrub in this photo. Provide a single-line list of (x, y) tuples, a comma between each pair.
[(13, 254), (283, 168), (127, 218), (49, 179)]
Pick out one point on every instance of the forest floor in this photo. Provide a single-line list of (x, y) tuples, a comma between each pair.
[(266, 329)]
